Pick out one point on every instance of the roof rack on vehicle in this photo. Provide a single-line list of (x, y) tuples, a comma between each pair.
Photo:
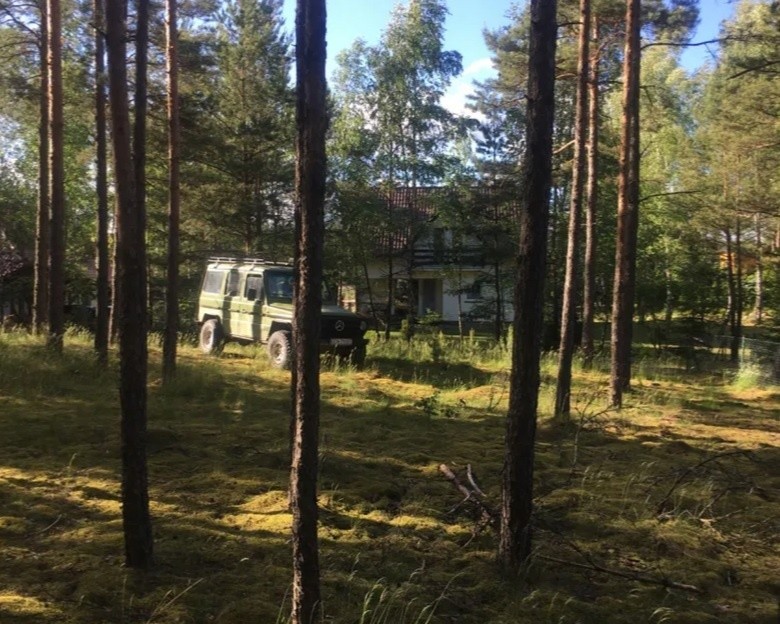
[(247, 260)]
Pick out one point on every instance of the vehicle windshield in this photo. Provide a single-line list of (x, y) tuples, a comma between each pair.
[(279, 287)]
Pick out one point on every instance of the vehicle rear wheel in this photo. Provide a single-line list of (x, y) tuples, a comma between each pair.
[(212, 337), (280, 349)]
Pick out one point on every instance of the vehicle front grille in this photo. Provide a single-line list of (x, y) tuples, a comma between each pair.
[(340, 328)]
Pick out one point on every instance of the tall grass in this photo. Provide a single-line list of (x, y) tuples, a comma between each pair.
[(433, 346)]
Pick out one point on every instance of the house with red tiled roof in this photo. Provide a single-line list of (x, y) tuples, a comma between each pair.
[(441, 253)]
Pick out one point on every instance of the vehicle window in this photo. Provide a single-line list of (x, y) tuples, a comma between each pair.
[(212, 283), (279, 286), (232, 288), (254, 287), (328, 296)]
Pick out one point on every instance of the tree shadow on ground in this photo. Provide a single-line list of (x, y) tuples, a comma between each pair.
[(218, 465), (442, 375)]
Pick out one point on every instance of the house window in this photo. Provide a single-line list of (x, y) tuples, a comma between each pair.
[(438, 246), (474, 291)]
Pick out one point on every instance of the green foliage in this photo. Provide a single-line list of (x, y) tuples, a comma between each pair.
[(748, 377), (239, 169), (390, 126)]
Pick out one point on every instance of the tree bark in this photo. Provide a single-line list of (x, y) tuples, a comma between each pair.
[(116, 291), (312, 121), (131, 316), (57, 180), (517, 500), (498, 326), (369, 290), (172, 291), (101, 184), (736, 332), (730, 284), (390, 287), (571, 281), (591, 203), (42, 234), (758, 310), (141, 105), (628, 212)]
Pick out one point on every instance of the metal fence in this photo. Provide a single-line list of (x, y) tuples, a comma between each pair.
[(758, 361)]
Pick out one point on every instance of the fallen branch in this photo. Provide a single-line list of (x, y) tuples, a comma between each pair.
[(590, 564), (51, 526), (631, 576), (660, 508), (488, 514), (473, 481)]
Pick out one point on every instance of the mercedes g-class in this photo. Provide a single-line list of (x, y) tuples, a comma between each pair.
[(249, 300)]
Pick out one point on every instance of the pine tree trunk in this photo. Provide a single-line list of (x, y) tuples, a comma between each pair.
[(517, 500), (131, 315), (571, 281), (628, 213), (172, 291), (736, 332), (758, 310), (591, 203), (731, 288), (460, 299), (498, 327), (116, 291), (141, 105), (42, 234), (369, 290), (312, 121), (101, 187), (57, 180), (390, 287)]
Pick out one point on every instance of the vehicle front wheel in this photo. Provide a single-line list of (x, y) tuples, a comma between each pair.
[(280, 349), (212, 337)]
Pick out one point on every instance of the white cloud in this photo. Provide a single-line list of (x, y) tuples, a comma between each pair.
[(456, 97), (480, 66)]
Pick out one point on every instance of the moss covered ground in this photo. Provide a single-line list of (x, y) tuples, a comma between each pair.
[(683, 484)]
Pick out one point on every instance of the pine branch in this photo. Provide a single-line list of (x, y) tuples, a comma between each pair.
[(632, 576), (683, 475), (755, 68), (655, 195), (675, 44)]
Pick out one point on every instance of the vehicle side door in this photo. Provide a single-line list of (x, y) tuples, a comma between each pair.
[(252, 307), (232, 309), (211, 298)]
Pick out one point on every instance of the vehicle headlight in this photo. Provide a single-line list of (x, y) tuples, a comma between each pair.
[(363, 326)]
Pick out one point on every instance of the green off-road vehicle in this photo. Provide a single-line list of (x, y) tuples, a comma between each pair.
[(249, 300)]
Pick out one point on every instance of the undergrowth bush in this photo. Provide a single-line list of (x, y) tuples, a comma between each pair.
[(748, 377), (437, 347)]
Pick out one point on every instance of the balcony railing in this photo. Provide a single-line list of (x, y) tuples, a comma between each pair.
[(428, 257)]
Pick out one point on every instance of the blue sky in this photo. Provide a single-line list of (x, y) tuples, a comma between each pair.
[(351, 19)]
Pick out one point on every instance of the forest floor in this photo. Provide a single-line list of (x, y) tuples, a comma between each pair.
[(682, 485)]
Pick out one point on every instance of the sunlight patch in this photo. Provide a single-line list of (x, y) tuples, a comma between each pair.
[(17, 605)]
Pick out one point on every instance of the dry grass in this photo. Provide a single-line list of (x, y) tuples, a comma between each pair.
[(391, 549)]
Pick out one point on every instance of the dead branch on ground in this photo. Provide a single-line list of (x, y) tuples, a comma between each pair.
[(472, 494)]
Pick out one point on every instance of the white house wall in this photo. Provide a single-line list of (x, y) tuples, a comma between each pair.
[(377, 273)]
